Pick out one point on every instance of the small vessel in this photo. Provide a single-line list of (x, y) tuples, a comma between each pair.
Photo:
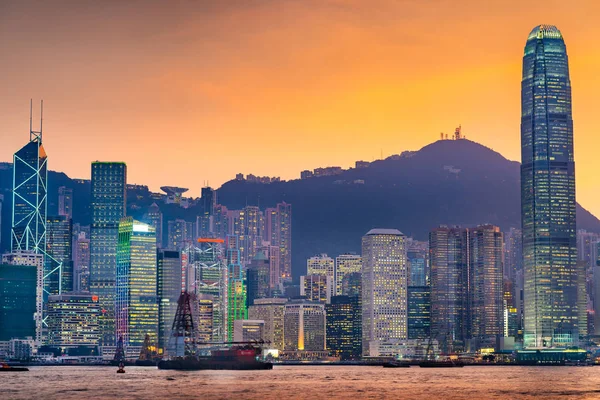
[(120, 356), (441, 364), (4, 367), (396, 364)]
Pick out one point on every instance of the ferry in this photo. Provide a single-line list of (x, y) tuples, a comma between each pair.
[(238, 357)]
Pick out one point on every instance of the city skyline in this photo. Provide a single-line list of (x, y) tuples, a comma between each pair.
[(366, 99)]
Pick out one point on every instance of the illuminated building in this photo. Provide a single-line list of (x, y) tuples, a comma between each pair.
[(247, 330), (249, 232), (236, 287), (344, 327), (419, 312), (18, 301), (352, 284), (58, 268), (206, 304), (278, 232), (73, 320), (271, 311), (345, 264), (81, 262), (513, 254), (321, 265), (548, 192), (384, 281), (208, 198), (30, 179), (155, 218), (108, 207), (318, 288), (418, 260), (466, 285), (207, 277), (179, 234), (168, 291), (136, 306), (258, 278), (35, 260), (304, 326), (65, 202)]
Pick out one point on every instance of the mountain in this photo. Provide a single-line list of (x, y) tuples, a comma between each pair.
[(451, 182)]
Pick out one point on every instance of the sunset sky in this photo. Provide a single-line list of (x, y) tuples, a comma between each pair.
[(191, 91)]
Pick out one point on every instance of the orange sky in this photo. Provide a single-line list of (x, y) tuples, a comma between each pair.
[(190, 91)]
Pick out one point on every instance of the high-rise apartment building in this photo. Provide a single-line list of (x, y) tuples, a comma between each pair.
[(384, 282), (548, 192), (65, 202), (136, 305), (278, 232), (168, 291), (108, 206), (271, 311), (345, 264)]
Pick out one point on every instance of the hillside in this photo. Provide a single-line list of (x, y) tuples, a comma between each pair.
[(447, 182)]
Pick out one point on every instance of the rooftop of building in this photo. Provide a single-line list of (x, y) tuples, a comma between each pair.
[(382, 231), (545, 31)]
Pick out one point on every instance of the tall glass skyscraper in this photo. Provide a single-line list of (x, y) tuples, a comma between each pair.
[(548, 192), (108, 207), (30, 178), (136, 305)]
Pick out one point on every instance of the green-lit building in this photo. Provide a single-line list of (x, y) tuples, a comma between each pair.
[(18, 285), (136, 305), (236, 285)]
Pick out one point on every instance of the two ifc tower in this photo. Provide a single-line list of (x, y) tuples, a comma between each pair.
[(551, 316)]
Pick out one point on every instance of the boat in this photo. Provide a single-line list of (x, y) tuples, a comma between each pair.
[(120, 356), (441, 364), (148, 355), (4, 367), (242, 357), (396, 364)]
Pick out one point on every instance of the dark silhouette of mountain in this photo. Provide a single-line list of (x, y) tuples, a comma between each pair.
[(451, 182)]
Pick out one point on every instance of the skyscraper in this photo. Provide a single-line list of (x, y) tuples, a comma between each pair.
[(321, 265), (466, 286), (136, 305), (271, 311), (65, 202), (81, 262), (345, 264), (344, 327), (317, 287), (155, 218), (108, 207), (236, 287), (30, 178), (548, 192), (18, 293), (384, 281), (58, 265), (304, 326), (278, 232), (73, 320), (168, 291), (257, 278)]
